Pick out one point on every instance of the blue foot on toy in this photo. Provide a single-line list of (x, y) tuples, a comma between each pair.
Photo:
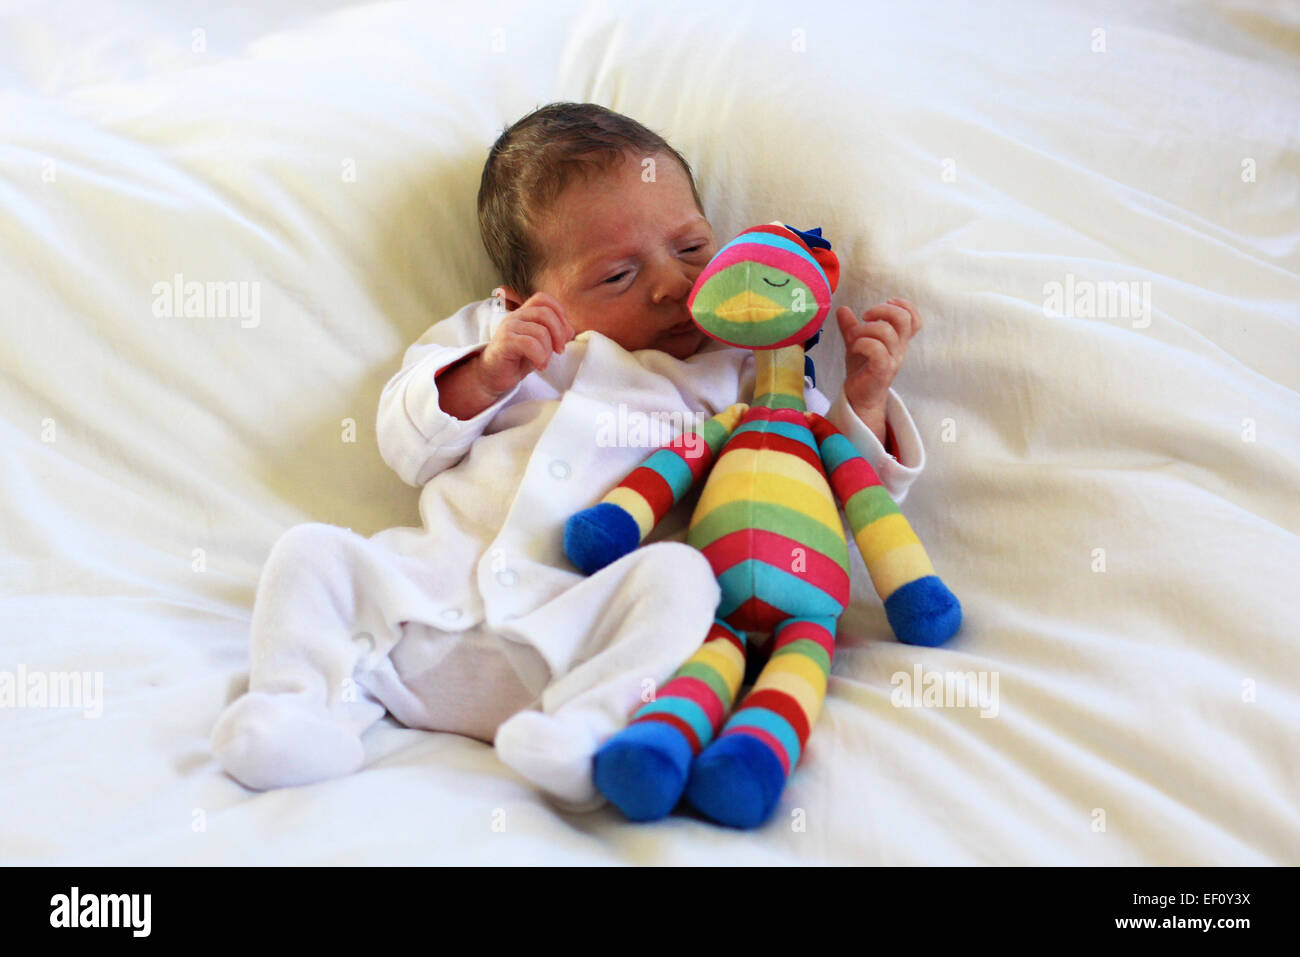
[(643, 769), (924, 612), (736, 781), (600, 535)]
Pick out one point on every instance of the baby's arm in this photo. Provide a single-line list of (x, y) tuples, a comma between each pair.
[(898, 463), (418, 435), (868, 411), (522, 342), (899, 460)]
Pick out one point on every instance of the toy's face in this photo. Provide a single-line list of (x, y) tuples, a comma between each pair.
[(763, 290)]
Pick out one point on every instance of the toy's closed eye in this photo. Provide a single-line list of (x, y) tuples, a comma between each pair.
[(777, 285)]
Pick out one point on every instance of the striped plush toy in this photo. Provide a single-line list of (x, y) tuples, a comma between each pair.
[(768, 522)]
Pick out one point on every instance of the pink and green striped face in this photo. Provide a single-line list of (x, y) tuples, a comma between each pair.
[(763, 290)]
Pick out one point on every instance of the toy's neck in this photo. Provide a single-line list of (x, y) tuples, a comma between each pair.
[(778, 378)]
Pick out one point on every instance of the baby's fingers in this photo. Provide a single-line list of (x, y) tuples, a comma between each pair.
[(893, 316), (514, 352), (546, 311), (530, 341), (911, 311), (869, 347)]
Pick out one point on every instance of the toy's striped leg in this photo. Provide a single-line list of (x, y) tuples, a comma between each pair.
[(738, 779), (920, 608), (619, 522), (644, 767)]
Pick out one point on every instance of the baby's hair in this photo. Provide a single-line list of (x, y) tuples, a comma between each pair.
[(534, 159)]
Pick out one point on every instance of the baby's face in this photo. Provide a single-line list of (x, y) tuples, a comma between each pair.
[(623, 255)]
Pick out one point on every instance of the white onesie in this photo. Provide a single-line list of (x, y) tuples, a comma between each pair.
[(478, 617)]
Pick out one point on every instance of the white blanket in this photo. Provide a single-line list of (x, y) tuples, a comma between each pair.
[(1095, 211)]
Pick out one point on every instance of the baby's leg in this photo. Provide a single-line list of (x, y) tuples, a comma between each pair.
[(327, 600), (465, 682), (634, 623)]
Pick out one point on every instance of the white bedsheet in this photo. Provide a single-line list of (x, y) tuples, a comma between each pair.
[(1112, 494)]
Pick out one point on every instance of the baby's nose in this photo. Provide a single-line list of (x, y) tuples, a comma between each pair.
[(676, 286)]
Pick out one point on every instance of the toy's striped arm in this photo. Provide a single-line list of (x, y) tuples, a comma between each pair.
[(597, 536), (920, 608)]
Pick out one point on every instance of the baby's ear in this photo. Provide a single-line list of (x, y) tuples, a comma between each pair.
[(511, 299)]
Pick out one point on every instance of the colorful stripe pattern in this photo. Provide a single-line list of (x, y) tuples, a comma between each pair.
[(787, 697), (658, 483), (778, 379), (894, 556), (779, 710), (765, 289), (768, 524), (702, 691)]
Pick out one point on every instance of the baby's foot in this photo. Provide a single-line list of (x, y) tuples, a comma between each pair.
[(272, 741), (554, 755)]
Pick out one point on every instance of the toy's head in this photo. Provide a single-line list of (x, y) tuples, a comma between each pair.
[(769, 287)]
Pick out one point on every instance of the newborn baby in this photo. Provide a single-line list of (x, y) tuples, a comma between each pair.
[(513, 414)]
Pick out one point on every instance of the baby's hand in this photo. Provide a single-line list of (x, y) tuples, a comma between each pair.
[(523, 342), (873, 352)]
